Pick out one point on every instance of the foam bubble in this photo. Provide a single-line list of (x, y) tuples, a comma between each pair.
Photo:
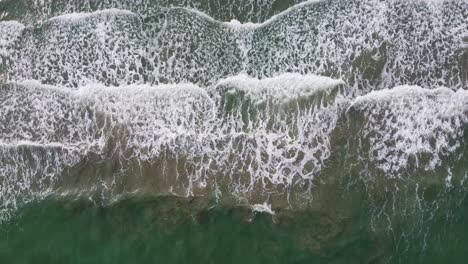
[(10, 32), (106, 48), (411, 122), (263, 208)]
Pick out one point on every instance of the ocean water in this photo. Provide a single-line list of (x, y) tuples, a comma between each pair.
[(233, 131)]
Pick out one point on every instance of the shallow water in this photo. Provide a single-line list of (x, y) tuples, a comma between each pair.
[(168, 231)]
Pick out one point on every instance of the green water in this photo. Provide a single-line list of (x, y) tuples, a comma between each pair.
[(170, 231)]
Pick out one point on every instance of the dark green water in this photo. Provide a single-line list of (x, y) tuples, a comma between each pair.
[(167, 230)]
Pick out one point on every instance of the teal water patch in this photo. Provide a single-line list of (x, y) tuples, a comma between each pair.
[(171, 230), (140, 232)]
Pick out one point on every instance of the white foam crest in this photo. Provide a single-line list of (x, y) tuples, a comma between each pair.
[(237, 25), (79, 17), (249, 26), (11, 23), (411, 122), (282, 88), (27, 143)]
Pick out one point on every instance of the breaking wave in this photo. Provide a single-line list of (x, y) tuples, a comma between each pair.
[(362, 43), (244, 137)]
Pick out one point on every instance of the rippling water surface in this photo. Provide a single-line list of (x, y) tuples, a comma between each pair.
[(233, 131)]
